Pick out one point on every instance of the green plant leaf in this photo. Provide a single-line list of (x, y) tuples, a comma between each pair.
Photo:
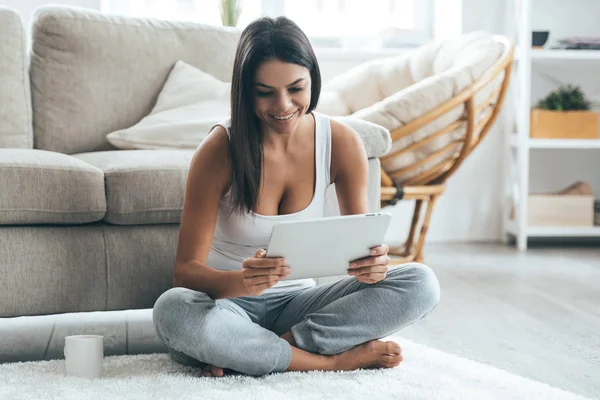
[(565, 98)]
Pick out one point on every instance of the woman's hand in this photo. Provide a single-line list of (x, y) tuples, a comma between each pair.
[(260, 273), (371, 269)]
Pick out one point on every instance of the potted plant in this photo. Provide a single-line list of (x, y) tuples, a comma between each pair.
[(564, 114), (230, 12)]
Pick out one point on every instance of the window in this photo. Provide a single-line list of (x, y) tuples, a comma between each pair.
[(360, 23), (328, 23)]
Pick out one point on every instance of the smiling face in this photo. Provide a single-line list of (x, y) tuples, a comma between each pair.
[(282, 95)]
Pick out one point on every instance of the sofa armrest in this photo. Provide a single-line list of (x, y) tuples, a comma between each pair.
[(376, 139)]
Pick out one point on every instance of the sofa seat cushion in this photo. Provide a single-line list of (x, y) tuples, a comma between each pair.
[(142, 186), (43, 187)]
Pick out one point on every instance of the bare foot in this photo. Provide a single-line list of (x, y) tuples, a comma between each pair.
[(211, 370), (216, 372), (373, 354)]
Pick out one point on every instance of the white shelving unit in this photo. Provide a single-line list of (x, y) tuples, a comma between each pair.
[(520, 145), (561, 54), (583, 144)]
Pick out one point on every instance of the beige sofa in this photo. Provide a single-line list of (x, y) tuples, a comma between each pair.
[(88, 233)]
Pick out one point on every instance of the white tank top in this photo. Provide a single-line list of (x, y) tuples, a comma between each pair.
[(238, 236)]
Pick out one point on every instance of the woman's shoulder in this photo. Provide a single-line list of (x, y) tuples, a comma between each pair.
[(223, 124), (342, 135), (346, 148), (217, 140), (212, 155)]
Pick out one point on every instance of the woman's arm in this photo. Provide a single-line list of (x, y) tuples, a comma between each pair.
[(208, 177), (349, 169)]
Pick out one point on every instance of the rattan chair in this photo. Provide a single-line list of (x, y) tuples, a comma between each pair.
[(438, 102), (426, 186)]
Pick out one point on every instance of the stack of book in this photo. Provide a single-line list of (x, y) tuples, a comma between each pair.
[(580, 43)]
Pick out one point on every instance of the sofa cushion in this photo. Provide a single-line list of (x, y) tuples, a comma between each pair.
[(15, 99), (94, 73), (42, 187), (190, 103), (142, 186)]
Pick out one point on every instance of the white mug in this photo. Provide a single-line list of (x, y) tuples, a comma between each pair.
[(84, 355)]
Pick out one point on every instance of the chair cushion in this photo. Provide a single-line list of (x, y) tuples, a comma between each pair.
[(142, 186), (43, 187), (392, 92)]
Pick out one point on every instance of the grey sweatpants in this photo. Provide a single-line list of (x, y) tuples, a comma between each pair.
[(243, 333)]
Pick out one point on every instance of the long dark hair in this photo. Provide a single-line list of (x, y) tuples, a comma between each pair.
[(265, 38)]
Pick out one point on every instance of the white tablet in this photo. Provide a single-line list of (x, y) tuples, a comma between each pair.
[(325, 246)]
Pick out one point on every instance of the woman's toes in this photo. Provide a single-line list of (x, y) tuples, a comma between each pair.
[(211, 370), (390, 364), (393, 348), (391, 361)]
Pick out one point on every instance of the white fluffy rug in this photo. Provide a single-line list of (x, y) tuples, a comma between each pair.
[(425, 374)]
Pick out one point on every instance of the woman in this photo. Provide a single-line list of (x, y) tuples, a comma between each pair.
[(272, 162)]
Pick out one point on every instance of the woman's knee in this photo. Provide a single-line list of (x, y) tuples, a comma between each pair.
[(421, 282), (429, 286), (172, 307)]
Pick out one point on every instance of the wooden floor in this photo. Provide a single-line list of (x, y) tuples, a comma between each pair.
[(535, 314)]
